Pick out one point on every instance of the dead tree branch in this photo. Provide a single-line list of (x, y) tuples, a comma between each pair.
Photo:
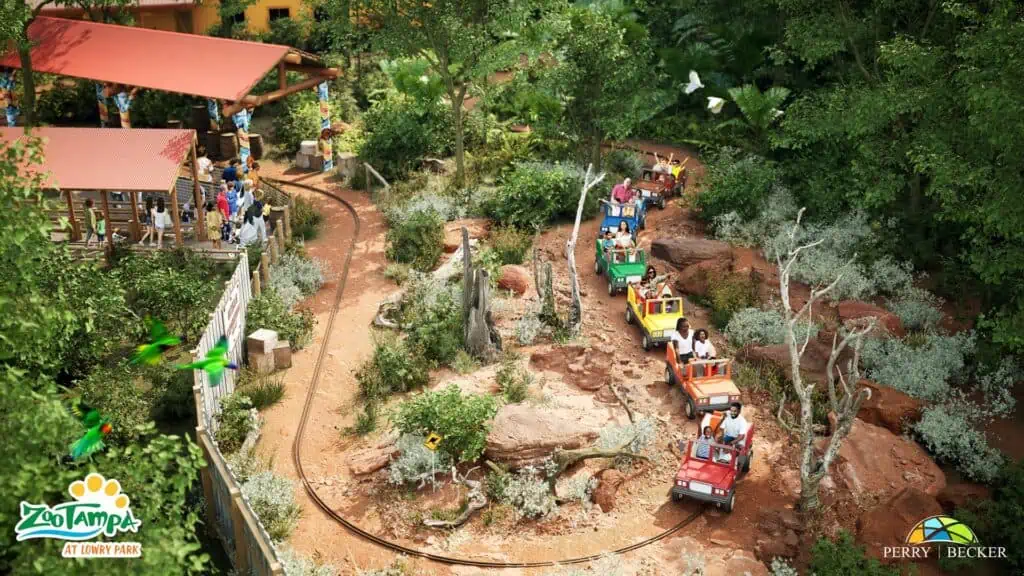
[(477, 501), (622, 400), (576, 312)]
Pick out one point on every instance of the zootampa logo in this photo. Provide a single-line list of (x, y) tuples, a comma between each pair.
[(953, 538), (98, 508)]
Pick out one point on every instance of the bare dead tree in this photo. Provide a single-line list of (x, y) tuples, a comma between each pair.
[(476, 500), (479, 333), (845, 400), (576, 312)]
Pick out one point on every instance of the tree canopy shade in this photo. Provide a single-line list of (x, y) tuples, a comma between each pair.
[(463, 40)]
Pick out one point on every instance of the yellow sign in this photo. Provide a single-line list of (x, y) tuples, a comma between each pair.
[(432, 441)]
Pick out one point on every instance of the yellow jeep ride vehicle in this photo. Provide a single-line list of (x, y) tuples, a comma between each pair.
[(657, 317)]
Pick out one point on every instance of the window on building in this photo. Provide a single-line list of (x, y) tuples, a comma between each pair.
[(239, 18), (278, 13)]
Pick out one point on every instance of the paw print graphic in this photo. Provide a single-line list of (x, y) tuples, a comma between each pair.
[(95, 488)]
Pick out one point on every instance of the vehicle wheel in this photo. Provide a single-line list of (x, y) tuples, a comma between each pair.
[(597, 267), (645, 343), (629, 314), (677, 497), (731, 503), (611, 288), (691, 410), (669, 376), (746, 462)]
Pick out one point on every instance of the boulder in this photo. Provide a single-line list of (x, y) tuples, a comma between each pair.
[(696, 279), (609, 482), (889, 523), (889, 408), (956, 496), (751, 260), (682, 251), (743, 562), (372, 459), (768, 548), (514, 278), (453, 232), (522, 435), (873, 460), (853, 309)]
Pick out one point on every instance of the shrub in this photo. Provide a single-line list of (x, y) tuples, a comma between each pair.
[(300, 117), (400, 131), (295, 564), (731, 294), (917, 309), (463, 421), (114, 392), (268, 311), (464, 363), (306, 219), (761, 327), (296, 276), (254, 253), (736, 182), (778, 214), (67, 102), (529, 493), (235, 422), (780, 567), (1000, 521), (173, 398), (922, 371), (433, 314), (366, 421), (397, 273), (393, 368), (528, 327), (579, 489), (417, 241), (996, 383), (625, 163), (534, 195), (262, 390), (950, 433), (513, 380), (272, 499), (416, 463), (843, 557), (510, 245), (640, 435)]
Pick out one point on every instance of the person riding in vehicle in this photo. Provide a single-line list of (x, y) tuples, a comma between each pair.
[(703, 349), (678, 167), (683, 341), (704, 442), (661, 165), (623, 193), (609, 242), (734, 426), (648, 283), (624, 239)]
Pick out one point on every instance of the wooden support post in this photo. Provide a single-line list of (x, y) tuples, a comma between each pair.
[(76, 234), (197, 194), (241, 546), (106, 216), (256, 288), (136, 231), (287, 222), (282, 76), (279, 234), (274, 256), (177, 217), (211, 508), (265, 266)]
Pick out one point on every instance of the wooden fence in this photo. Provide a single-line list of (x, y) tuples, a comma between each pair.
[(229, 515)]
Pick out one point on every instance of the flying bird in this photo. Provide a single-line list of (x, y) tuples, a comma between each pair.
[(97, 427), (159, 341), (214, 364), (776, 113), (694, 83), (715, 104)]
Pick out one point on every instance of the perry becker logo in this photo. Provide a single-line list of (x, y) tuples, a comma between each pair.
[(98, 507), (955, 540)]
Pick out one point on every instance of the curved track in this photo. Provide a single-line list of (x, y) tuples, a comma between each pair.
[(297, 445)]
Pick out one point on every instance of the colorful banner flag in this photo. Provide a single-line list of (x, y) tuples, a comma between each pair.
[(213, 108), (101, 101), (124, 108), (7, 97), (325, 126), (241, 119)]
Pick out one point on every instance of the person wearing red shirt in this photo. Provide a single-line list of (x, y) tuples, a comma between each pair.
[(623, 193)]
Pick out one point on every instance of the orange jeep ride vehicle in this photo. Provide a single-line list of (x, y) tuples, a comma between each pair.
[(711, 476), (707, 384)]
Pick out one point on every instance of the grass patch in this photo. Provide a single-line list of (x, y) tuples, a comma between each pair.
[(465, 363), (306, 219), (262, 390), (397, 273), (513, 380), (730, 294)]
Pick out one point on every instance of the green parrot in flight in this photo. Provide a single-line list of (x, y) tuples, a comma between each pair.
[(214, 364), (160, 340), (97, 427)]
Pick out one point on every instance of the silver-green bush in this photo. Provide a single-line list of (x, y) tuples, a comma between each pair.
[(272, 498), (917, 309), (416, 463), (762, 327), (529, 493), (950, 432), (295, 564), (922, 369)]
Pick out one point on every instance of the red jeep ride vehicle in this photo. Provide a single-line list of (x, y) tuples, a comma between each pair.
[(713, 479)]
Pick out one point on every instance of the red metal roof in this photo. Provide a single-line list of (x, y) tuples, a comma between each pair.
[(110, 158), (156, 59)]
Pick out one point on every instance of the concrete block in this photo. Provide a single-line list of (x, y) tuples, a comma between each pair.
[(283, 355), (262, 363), (302, 160), (262, 341), (308, 147)]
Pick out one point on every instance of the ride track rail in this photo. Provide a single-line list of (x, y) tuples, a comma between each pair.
[(297, 444)]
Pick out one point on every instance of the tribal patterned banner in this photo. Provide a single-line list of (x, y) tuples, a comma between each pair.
[(325, 126), (124, 107), (101, 101), (241, 119), (7, 97), (213, 109)]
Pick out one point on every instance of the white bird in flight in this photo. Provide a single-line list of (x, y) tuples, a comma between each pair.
[(776, 113), (694, 83), (715, 104)]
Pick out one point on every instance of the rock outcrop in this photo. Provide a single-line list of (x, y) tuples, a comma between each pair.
[(872, 460), (853, 309), (607, 488), (956, 496), (683, 251), (889, 408), (889, 523), (477, 228), (514, 278), (372, 459), (523, 435)]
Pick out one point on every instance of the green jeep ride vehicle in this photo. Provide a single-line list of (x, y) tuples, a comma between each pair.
[(622, 266)]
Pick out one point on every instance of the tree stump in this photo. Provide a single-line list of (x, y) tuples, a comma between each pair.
[(479, 334)]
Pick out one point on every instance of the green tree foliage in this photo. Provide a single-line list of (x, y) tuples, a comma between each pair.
[(463, 421), (534, 195)]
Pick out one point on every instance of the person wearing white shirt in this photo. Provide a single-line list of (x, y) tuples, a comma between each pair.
[(734, 426), (248, 233), (204, 166), (683, 341), (703, 349)]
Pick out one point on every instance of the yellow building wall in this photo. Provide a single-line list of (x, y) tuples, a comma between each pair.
[(257, 16), (155, 19)]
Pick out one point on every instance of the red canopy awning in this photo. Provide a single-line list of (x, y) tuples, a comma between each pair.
[(156, 59), (110, 158)]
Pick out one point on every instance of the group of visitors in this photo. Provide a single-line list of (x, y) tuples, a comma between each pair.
[(621, 239), (692, 345), (237, 215), (733, 432)]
